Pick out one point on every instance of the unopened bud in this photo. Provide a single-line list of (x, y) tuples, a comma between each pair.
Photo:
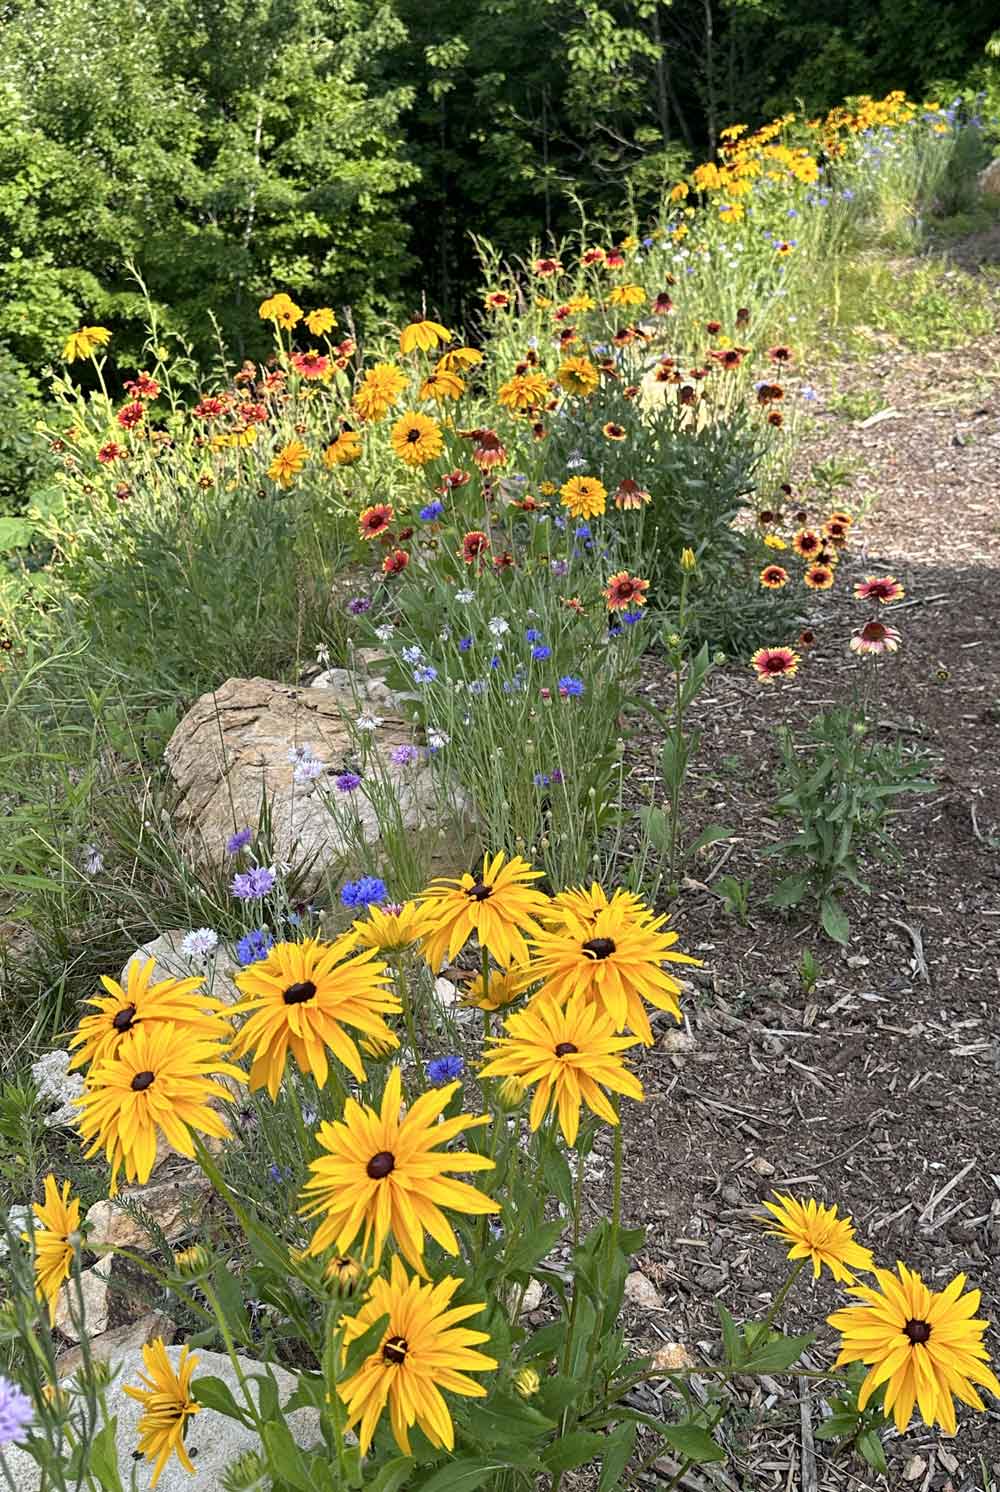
[(688, 561), (527, 1382), (193, 1263), (511, 1093)]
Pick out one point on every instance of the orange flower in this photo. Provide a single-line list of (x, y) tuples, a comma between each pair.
[(775, 663), (474, 546), (819, 577), (375, 520), (611, 431), (624, 590), (773, 577), (628, 494)]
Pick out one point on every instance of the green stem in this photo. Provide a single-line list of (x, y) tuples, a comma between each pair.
[(782, 1294), (227, 1337), (406, 1000)]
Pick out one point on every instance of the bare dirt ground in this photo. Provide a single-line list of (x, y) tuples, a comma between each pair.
[(877, 1091)]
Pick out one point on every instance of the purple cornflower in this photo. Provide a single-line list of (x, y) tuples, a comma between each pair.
[(556, 775), (238, 841), (541, 779), (540, 653), (431, 512), (16, 1413), (358, 605), (425, 674), (559, 568), (364, 892), (631, 617), (402, 756), (443, 1070), (256, 945), (570, 686), (253, 883), (464, 644), (347, 782), (532, 635)]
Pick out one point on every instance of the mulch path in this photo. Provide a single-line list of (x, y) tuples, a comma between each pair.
[(878, 1090)]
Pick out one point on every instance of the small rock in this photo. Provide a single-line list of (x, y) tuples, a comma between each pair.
[(642, 1293), (914, 1469), (947, 1460), (761, 1166), (671, 1356), (94, 1290), (731, 1195), (677, 1040), (176, 1205), (532, 1297), (17, 1222), (989, 179), (57, 1088), (857, 961), (112, 1345)]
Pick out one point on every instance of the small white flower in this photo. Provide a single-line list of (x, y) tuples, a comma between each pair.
[(412, 655), (437, 738), (93, 860), (301, 753), (385, 632), (308, 769), (498, 626), (323, 655), (369, 721), (465, 596), (200, 943)]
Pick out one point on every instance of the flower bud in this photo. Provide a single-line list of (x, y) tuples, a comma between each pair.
[(688, 561), (193, 1263), (527, 1382), (246, 1474), (511, 1093)]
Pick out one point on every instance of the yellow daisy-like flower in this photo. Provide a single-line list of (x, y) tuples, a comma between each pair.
[(123, 1009), (57, 1219), (288, 463), (416, 439), (614, 960), (300, 998), (343, 450), (627, 295), (524, 391), (774, 541), (458, 360), (158, 1082), (423, 1350), (505, 985), (584, 903), (814, 1231), (924, 1345), (167, 1405), (572, 1053), (280, 309), (321, 320), (384, 1173), (85, 342), (578, 376), (391, 927), (499, 907), (585, 497), (442, 386), (379, 390), (424, 335)]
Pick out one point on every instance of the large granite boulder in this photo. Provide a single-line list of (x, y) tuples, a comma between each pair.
[(989, 179), (234, 746)]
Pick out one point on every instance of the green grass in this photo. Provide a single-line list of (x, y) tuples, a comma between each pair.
[(928, 305)]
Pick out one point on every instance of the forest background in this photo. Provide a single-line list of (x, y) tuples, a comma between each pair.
[(352, 152)]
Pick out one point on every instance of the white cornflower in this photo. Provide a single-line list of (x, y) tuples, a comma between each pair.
[(498, 626), (201, 943), (465, 596), (367, 721)]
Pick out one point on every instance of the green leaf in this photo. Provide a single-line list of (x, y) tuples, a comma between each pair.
[(463, 1475), (394, 1474), (217, 1395), (654, 821), (708, 836), (836, 1427), (693, 1443), (790, 891), (310, 1393), (835, 923), (104, 1456), (286, 1460), (618, 1449), (870, 1446), (778, 1355), (505, 1419), (364, 1345), (526, 1254), (575, 1449), (14, 533), (732, 1342)]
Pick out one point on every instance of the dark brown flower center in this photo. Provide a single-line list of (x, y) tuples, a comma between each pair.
[(873, 632), (298, 994), (479, 892), (413, 436), (380, 1165), (142, 1081), (566, 1049), (395, 1349), (599, 947), (124, 1020), (917, 1331)]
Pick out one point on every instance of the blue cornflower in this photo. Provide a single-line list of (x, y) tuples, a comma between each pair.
[(238, 841), (364, 892), (495, 661), (412, 655), (347, 782), (570, 686), (615, 631), (256, 945), (464, 644), (443, 1070), (540, 653), (276, 1174), (432, 511), (425, 674), (16, 1413), (532, 635), (631, 617), (583, 531), (541, 779), (253, 884)]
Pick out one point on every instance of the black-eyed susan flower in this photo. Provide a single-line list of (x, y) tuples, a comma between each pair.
[(579, 376), (57, 1222), (819, 577), (775, 663), (502, 989), (85, 343), (390, 928), (383, 1174), (585, 902), (300, 998), (416, 439), (288, 462), (379, 390), (571, 1053), (458, 360), (441, 386), (925, 1345), (874, 638), (167, 1405), (374, 521), (124, 1008), (807, 543), (613, 960), (627, 295), (161, 1081), (320, 321), (774, 541), (623, 591), (524, 391), (813, 1231), (423, 1350), (585, 497), (425, 335), (499, 906), (773, 577), (280, 309), (881, 588)]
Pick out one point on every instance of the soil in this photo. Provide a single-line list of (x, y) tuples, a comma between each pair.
[(877, 1089)]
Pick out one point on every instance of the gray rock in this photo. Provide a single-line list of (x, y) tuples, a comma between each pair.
[(17, 1222), (57, 1088), (213, 1441), (641, 1292), (112, 1345), (176, 1204), (94, 1290)]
